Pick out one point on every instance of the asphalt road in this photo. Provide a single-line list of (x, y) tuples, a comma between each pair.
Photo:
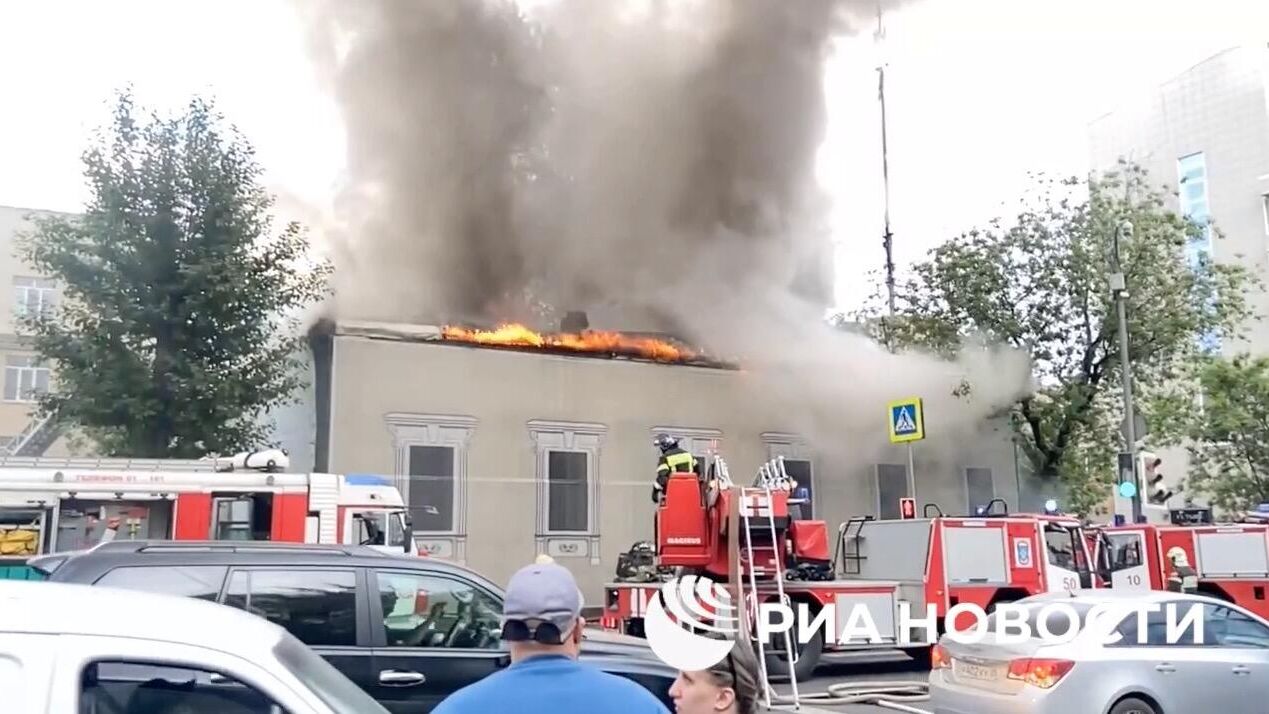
[(869, 669)]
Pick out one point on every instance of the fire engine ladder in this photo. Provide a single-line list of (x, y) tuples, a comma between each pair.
[(756, 502)]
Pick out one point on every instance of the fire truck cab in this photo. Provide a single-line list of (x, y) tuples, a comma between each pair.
[(990, 558), (68, 504), (1231, 560)]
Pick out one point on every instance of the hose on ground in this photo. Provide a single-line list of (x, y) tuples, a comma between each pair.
[(891, 695)]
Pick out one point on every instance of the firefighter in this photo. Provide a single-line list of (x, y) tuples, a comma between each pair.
[(673, 460), (1183, 578)]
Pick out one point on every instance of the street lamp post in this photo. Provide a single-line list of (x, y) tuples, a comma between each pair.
[(1119, 286)]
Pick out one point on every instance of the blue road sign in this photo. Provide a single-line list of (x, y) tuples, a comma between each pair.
[(907, 421)]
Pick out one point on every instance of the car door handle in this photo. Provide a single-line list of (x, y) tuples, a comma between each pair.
[(1165, 668), (1241, 670), (396, 678)]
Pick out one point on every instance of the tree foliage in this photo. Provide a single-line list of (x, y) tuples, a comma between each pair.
[(178, 325), (1040, 283), (1229, 436)]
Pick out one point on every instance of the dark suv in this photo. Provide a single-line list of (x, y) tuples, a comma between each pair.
[(407, 630)]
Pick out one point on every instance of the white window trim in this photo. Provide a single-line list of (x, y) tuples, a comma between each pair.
[(20, 399), (876, 484), (991, 472), (47, 293), (454, 431), (793, 448), (588, 438)]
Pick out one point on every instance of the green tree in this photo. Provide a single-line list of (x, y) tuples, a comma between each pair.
[(1039, 283), (178, 327), (1229, 447)]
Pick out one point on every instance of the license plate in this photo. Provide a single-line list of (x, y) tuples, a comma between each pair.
[(973, 671)]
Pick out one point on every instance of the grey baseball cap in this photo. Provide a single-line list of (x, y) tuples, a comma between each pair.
[(543, 591)]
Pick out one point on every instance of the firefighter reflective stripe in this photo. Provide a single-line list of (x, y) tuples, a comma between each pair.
[(678, 463)]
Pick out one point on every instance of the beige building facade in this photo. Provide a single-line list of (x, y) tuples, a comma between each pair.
[(27, 292), (504, 454)]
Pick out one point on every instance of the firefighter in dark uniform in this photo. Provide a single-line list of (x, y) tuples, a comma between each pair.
[(673, 460), (1183, 578)]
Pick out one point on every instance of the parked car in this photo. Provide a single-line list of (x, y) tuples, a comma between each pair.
[(1226, 671), (73, 648), (409, 631)]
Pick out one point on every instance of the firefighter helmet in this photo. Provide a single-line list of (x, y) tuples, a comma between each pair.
[(1177, 555), (666, 442)]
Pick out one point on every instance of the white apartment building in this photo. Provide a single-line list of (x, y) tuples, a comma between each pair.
[(1205, 133)]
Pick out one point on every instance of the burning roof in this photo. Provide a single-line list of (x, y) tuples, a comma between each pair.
[(518, 337)]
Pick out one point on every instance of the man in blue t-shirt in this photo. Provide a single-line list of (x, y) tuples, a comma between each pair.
[(542, 624)]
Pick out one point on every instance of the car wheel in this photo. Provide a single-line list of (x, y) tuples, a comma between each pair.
[(808, 656), (1133, 705)]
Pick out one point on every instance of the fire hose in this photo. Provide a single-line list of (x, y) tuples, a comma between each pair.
[(890, 695)]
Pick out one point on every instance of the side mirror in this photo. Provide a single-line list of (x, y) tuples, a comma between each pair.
[(408, 545)]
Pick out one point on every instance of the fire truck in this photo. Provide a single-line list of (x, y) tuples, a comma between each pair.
[(987, 559), (54, 505), (1231, 559)]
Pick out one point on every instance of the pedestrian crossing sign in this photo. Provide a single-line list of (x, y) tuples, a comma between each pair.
[(907, 422)]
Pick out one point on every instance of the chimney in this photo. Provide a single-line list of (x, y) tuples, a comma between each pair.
[(574, 321)]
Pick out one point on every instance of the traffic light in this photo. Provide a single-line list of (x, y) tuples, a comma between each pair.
[(907, 508)]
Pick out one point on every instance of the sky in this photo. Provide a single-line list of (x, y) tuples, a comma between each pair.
[(979, 93)]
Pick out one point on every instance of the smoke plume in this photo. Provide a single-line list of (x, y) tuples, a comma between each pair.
[(650, 162)]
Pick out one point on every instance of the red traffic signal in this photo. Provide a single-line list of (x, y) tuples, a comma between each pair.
[(907, 508)]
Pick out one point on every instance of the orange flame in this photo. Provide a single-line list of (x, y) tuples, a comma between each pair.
[(595, 341)]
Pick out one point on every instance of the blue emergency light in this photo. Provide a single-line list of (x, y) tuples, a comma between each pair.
[(1127, 489), (368, 480), (1119, 519), (1051, 507), (980, 511)]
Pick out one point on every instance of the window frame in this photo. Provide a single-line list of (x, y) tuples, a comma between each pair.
[(991, 480), (361, 631), (379, 638), (45, 288), (876, 480), (446, 430), (547, 436), (792, 447), (33, 367)]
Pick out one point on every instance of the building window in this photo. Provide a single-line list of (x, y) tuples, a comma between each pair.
[(567, 477), (980, 489), (892, 485), (24, 378), (33, 297), (1194, 204), (431, 467), (798, 464)]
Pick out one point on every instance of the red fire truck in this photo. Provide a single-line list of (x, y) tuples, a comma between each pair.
[(1232, 560), (987, 559), (70, 504)]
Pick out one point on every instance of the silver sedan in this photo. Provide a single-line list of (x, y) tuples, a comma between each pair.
[(1115, 652)]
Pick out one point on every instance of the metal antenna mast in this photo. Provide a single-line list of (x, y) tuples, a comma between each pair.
[(887, 237)]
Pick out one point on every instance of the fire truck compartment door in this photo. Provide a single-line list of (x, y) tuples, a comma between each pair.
[(975, 555), (1232, 554), (851, 619)]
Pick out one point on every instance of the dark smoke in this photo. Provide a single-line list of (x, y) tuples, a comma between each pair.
[(649, 162)]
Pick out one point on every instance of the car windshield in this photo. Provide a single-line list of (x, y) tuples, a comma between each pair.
[(333, 688)]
